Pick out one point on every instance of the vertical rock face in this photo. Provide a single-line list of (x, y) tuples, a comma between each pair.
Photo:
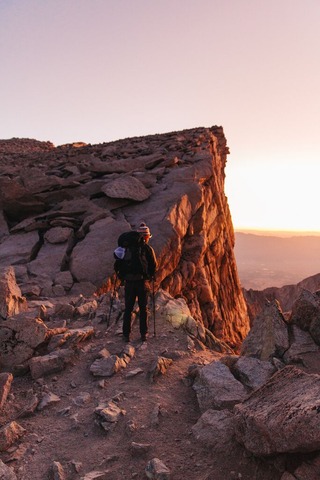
[(174, 182)]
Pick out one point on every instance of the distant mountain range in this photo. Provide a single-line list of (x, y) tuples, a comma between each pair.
[(274, 261)]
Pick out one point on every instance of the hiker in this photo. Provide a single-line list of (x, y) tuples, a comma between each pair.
[(135, 265)]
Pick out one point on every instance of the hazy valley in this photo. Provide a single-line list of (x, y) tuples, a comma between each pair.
[(274, 261)]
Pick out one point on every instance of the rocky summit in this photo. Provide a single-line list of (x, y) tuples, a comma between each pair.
[(62, 210), (211, 395)]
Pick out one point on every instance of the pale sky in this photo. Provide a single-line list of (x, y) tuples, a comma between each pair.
[(101, 70)]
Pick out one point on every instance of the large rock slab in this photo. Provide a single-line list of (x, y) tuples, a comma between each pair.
[(11, 300), (268, 336), (282, 416), (50, 260), (126, 187), (92, 259), (19, 248), (217, 388)]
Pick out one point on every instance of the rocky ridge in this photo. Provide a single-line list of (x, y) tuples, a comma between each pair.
[(62, 209)]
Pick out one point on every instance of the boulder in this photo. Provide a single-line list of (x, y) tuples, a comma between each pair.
[(20, 336), (268, 336), (301, 347), (52, 363), (58, 235), (252, 372), (309, 470), (282, 416), (306, 314), (217, 388), (126, 187), (215, 430)]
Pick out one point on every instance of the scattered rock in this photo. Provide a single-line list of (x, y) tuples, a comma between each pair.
[(134, 372), (11, 300), (51, 363), (9, 434), (82, 399), (157, 470), (57, 471), (6, 473), (158, 367), (106, 367), (96, 475), (48, 399), (139, 449), (5, 385)]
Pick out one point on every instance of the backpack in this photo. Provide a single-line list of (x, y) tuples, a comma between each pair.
[(131, 262)]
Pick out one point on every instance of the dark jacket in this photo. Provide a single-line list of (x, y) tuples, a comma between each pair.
[(139, 263)]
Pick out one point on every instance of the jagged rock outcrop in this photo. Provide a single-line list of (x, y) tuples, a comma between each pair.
[(286, 295), (62, 209)]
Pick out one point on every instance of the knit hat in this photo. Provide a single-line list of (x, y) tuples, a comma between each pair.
[(144, 229)]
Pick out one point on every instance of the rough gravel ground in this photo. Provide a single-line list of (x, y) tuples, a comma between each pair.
[(159, 414)]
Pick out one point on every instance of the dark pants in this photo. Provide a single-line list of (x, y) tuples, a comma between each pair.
[(136, 289)]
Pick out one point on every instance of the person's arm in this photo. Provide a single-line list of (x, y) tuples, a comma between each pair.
[(152, 261)]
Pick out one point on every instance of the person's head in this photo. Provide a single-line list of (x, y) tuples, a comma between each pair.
[(145, 231)]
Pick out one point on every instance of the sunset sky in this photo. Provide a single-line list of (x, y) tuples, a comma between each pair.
[(101, 70)]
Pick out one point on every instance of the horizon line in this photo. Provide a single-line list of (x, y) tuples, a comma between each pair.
[(264, 231)]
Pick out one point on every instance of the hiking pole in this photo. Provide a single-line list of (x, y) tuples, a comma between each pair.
[(112, 300), (154, 309)]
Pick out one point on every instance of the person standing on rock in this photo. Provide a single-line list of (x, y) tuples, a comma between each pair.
[(135, 265)]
